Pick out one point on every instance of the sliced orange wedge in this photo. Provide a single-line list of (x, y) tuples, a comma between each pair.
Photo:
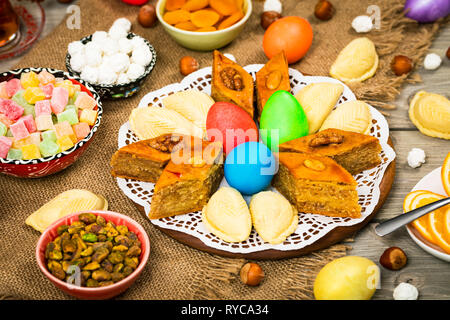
[(445, 174), (438, 221), (417, 199)]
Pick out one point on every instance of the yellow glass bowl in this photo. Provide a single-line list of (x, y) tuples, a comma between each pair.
[(204, 41)]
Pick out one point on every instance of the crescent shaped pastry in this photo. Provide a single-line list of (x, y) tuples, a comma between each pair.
[(152, 122), (64, 204), (318, 100), (357, 62), (430, 113), (351, 116), (274, 218), (227, 216), (191, 104)]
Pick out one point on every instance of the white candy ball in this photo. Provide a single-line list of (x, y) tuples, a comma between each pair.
[(273, 5), (137, 42), (92, 46), (141, 56), (90, 74), (110, 47), (362, 24), (405, 291), (93, 58), (99, 36), (123, 23), (125, 45), (117, 32), (77, 62), (75, 47), (119, 62), (122, 78), (106, 75), (135, 71), (432, 61)]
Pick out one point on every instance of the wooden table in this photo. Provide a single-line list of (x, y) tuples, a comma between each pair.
[(429, 274)]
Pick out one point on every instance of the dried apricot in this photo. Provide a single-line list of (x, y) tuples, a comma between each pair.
[(206, 29), (177, 16), (194, 5), (228, 22), (204, 18), (174, 4), (187, 25), (225, 7)]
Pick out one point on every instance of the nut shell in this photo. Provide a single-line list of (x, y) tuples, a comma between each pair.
[(324, 10), (401, 65), (269, 17), (393, 258), (251, 274), (188, 65), (147, 16)]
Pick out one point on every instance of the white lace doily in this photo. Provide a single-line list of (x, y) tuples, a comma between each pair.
[(311, 227)]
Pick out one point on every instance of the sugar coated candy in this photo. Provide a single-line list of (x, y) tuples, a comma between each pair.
[(48, 148), (30, 151), (45, 77), (47, 89), (59, 100), (33, 138), (141, 56), (99, 36), (90, 74), (65, 129), (119, 62), (3, 94), (42, 107), (29, 79), (44, 122), (78, 62), (12, 86), (135, 71), (65, 143), (33, 94), (14, 154), (10, 109), (3, 119), (125, 45), (19, 130), (81, 130), (28, 109), (68, 85), (5, 145), (106, 75), (93, 58), (49, 135), (88, 116), (75, 47), (69, 115), (84, 101), (29, 123), (3, 129), (117, 32), (123, 23)]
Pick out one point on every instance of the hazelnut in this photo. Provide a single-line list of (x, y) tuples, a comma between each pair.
[(269, 17), (188, 65), (448, 53), (324, 10), (147, 16), (251, 274), (393, 258), (401, 65)]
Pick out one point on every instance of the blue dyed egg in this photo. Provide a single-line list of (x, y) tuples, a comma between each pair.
[(250, 167)]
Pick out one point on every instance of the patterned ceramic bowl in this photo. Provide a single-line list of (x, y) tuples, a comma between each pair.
[(114, 91), (41, 167), (102, 292)]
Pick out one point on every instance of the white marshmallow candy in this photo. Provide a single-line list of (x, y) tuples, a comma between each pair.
[(137, 42), (273, 5), (141, 56), (122, 78), (123, 23), (110, 47), (119, 62), (416, 157), (117, 32), (75, 47), (125, 45), (99, 36), (135, 71), (106, 75), (90, 74), (432, 61), (405, 291), (92, 46), (93, 58), (362, 24), (78, 62)]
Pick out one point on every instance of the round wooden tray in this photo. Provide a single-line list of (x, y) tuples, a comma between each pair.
[(334, 236)]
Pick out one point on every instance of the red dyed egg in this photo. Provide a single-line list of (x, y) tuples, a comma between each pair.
[(228, 123)]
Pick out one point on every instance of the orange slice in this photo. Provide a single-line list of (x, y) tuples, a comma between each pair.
[(445, 174), (438, 221), (416, 200)]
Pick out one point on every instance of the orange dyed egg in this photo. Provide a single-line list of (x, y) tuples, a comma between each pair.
[(294, 35)]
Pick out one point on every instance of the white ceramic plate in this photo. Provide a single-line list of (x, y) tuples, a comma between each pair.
[(431, 182)]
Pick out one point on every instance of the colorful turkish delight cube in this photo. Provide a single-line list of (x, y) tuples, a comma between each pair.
[(45, 77), (68, 85), (59, 100), (69, 115), (33, 94), (30, 151), (42, 107), (65, 129), (3, 129), (84, 101), (29, 123), (29, 79), (3, 94), (12, 86), (65, 143), (19, 130), (11, 109), (49, 135), (88, 116), (44, 122), (5, 145), (49, 148), (47, 89), (14, 154), (81, 130)]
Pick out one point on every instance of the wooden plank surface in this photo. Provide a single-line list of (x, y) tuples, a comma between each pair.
[(429, 274)]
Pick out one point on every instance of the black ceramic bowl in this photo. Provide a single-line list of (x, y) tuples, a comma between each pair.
[(115, 91)]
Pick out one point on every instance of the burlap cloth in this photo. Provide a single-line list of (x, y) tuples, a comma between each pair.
[(174, 270)]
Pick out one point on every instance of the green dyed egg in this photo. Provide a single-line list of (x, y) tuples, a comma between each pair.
[(282, 119)]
